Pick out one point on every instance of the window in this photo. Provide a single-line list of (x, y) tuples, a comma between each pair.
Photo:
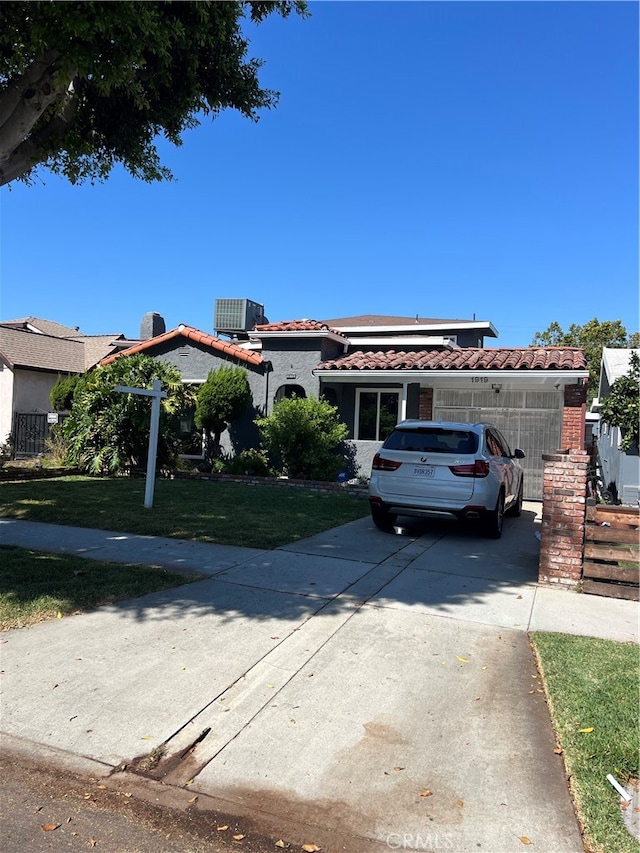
[(376, 414)]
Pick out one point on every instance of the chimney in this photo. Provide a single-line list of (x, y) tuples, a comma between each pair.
[(152, 325)]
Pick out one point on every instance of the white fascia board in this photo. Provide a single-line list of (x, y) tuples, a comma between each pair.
[(409, 340), (458, 379), (489, 328), (315, 333)]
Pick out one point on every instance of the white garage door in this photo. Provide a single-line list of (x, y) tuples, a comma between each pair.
[(531, 420)]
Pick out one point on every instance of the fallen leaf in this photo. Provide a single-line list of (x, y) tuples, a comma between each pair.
[(531, 691), (238, 837), (426, 792), (49, 827), (92, 842), (525, 840), (280, 843), (459, 802), (558, 751), (102, 787), (58, 615), (193, 800), (222, 828), (587, 730), (398, 768), (310, 848), (462, 660), (146, 737)]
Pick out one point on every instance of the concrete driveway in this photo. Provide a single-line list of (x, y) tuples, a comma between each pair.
[(358, 690)]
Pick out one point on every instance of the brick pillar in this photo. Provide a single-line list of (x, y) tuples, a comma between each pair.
[(426, 404), (564, 482), (574, 417)]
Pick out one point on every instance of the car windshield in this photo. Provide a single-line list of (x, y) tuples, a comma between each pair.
[(433, 440)]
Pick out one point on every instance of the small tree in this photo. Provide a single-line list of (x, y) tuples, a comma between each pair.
[(591, 338), (303, 437), (108, 430), (61, 396), (622, 407), (222, 399)]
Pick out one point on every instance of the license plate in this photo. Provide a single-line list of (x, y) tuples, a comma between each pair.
[(424, 470)]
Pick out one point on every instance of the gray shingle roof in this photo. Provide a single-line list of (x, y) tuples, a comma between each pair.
[(46, 327), (19, 348), (72, 353)]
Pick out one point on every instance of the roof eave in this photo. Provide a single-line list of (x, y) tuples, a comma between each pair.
[(531, 376)]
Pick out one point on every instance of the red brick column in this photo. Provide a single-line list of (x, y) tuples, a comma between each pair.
[(563, 518), (426, 404), (574, 417)]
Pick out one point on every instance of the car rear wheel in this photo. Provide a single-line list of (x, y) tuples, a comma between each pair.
[(495, 519), (382, 518), (516, 509)]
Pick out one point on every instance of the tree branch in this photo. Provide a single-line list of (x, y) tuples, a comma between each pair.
[(36, 147), (16, 88), (33, 100)]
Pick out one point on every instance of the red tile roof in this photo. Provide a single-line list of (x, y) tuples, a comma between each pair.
[(198, 337), (298, 326), (534, 358)]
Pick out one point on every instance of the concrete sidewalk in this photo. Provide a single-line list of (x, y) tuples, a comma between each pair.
[(357, 690)]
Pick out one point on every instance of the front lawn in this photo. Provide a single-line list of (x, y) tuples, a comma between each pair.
[(35, 586), (253, 516), (592, 690)]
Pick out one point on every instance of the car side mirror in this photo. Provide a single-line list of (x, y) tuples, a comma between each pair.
[(519, 454)]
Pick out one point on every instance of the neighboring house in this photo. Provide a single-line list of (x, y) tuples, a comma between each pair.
[(378, 370), (620, 470), (33, 354)]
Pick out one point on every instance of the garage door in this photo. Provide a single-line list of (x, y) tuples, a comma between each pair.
[(531, 420)]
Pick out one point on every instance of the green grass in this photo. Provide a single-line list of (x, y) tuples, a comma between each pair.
[(36, 586), (593, 684), (254, 516)]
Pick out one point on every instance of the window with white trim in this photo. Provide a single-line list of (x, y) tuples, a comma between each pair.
[(376, 413)]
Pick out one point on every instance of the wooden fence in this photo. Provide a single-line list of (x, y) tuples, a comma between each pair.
[(611, 564)]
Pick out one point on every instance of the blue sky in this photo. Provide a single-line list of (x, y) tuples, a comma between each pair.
[(446, 159)]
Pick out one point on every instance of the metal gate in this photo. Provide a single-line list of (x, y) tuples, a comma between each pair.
[(530, 420), (30, 433)]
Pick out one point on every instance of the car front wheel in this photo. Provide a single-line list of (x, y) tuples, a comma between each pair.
[(495, 519)]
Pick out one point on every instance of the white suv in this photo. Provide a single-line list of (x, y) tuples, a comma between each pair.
[(434, 468)]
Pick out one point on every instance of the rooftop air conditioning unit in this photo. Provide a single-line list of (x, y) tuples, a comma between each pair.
[(234, 316)]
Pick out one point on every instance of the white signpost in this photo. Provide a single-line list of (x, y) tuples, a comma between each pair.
[(156, 394)]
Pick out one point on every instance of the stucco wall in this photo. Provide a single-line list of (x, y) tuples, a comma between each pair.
[(6, 402), (31, 389), (195, 364)]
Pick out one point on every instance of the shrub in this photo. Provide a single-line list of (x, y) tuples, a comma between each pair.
[(252, 461), (61, 395), (107, 431), (303, 437)]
